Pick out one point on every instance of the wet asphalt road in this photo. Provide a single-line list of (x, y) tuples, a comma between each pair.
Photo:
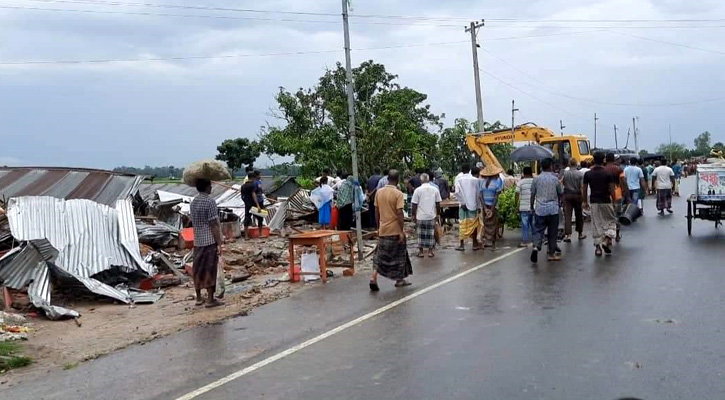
[(646, 322)]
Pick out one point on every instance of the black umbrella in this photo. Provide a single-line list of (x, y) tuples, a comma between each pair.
[(531, 152)]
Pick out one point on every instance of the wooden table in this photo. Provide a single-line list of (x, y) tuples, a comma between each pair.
[(319, 239)]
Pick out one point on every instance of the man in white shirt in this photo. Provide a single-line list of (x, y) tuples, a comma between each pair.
[(426, 207), (333, 181), (467, 187), (664, 181)]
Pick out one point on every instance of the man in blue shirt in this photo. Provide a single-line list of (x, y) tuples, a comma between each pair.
[(635, 180), (546, 192), (677, 169)]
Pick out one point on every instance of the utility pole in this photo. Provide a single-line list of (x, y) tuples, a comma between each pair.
[(513, 112), (634, 128), (616, 145), (473, 27), (561, 127), (351, 127), (669, 131), (595, 130)]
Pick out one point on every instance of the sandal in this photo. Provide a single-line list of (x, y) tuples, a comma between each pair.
[(374, 286), (607, 250), (582, 237), (598, 251), (215, 303), (420, 255), (402, 283), (431, 255), (199, 303), (459, 248)]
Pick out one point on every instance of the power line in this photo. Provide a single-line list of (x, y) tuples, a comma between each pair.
[(558, 93), (410, 23), (379, 16), (670, 43), (206, 57), (529, 94), (225, 17)]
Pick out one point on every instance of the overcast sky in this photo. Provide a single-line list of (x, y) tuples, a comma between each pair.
[(174, 112)]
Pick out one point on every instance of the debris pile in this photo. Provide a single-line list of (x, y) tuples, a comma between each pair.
[(72, 243), (13, 327)]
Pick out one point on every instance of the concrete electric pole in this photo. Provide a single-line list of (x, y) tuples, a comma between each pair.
[(513, 125), (561, 127), (616, 144), (595, 130), (477, 79), (634, 128), (351, 127)]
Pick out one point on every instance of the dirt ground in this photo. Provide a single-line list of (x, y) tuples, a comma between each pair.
[(105, 327)]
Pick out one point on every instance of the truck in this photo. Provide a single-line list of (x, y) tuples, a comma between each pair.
[(564, 147)]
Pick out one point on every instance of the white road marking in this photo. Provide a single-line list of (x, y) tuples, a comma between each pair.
[(236, 375)]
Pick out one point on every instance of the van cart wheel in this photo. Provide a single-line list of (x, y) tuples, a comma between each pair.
[(690, 206)]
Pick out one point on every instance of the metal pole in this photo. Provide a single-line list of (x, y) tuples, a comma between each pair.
[(616, 144), (351, 128), (634, 128), (561, 127), (595, 130), (477, 79), (513, 124), (669, 131)]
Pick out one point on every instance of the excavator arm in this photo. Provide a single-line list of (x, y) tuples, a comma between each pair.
[(479, 142)]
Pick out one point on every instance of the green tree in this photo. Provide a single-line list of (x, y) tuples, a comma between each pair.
[(718, 146), (238, 152), (395, 128), (643, 153), (673, 150), (702, 144), (453, 150)]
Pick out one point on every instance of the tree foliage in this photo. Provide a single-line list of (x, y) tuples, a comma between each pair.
[(394, 126), (673, 151), (453, 151), (238, 152), (158, 172), (702, 144)]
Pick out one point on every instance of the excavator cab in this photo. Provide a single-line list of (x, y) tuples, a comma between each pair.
[(567, 147)]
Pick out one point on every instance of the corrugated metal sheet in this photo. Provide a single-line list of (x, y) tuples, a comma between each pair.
[(300, 203), (148, 190), (39, 294), (103, 187), (17, 267), (90, 237)]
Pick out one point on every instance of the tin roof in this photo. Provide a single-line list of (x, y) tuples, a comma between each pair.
[(104, 187)]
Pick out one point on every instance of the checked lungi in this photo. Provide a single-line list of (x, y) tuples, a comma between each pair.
[(391, 258), (426, 234), (664, 199)]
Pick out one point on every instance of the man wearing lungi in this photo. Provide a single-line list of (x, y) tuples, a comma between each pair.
[(207, 243), (426, 208), (391, 258)]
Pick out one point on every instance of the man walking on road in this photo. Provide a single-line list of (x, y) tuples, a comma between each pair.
[(664, 181), (207, 243), (391, 258), (546, 191), (426, 208), (600, 184), (635, 180), (523, 199), (467, 186), (572, 181)]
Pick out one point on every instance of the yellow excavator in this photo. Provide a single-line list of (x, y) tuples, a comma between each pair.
[(564, 147)]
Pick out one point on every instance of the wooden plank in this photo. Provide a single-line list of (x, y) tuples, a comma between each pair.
[(173, 269)]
